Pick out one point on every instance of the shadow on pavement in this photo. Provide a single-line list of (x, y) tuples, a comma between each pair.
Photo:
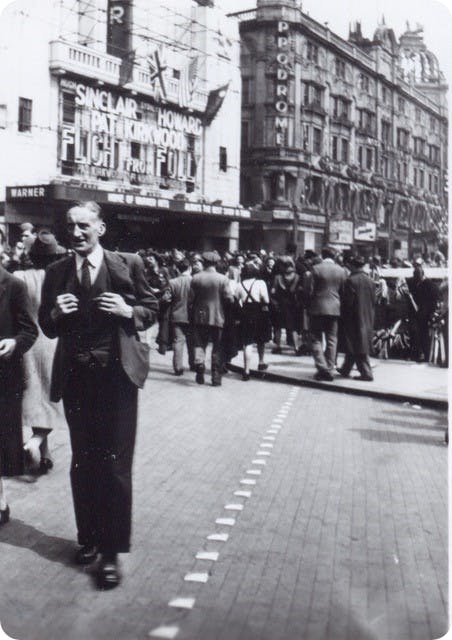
[(426, 424), (52, 548), (394, 437)]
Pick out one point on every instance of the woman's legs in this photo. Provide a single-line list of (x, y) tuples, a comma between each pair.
[(37, 446), (247, 351), (261, 351)]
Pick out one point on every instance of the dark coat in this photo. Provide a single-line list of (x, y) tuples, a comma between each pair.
[(16, 322), (358, 312), (209, 292), (326, 284), (179, 294), (127, 279)]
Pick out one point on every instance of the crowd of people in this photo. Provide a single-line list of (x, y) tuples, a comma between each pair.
[(74, 345)]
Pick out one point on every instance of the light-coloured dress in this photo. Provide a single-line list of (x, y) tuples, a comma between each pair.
[(37, 410)]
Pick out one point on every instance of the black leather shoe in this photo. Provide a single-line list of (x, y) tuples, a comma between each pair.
[(4, 515), (86, 555), (324, 376), (200, 376), (216, 383), (363, 378), (108, 575), (343, 373), (179, 372)]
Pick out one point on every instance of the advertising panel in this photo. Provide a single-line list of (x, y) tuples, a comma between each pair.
[(366, 232), (110, 135), (341, 231)]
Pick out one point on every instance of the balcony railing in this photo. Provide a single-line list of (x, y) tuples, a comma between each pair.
[(68, 57), (76, 58)]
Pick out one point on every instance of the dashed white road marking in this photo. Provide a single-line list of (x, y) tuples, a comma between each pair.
[(196, 577), (243, 494), (207, 555), (164, 632), (182, 603), (228, 522), (169, 632), (218, 537)]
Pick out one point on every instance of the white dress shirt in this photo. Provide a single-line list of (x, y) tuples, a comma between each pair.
[(94, 262)]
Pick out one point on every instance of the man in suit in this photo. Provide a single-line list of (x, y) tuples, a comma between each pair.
[(326, 285), (210, 291), (95, 302), (358, 315), (179, 291)]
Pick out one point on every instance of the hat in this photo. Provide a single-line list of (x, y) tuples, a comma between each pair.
[(418, 262), (357, 261), (45, 244), (212, 257)]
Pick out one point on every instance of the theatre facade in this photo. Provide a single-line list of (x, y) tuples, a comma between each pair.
[(148, 128), (343, 141)]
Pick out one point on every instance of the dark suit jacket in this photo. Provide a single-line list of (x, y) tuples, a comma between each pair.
[(326, 286), (210, 290), (128, 279), (15, 322)]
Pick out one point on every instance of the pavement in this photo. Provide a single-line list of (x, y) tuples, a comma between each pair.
[(398, 380), (262, 511)]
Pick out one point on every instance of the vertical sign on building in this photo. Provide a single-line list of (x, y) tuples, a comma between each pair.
[(282, 83), (119, 28)]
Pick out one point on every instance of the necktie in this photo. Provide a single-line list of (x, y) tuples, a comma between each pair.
[(86, 277)]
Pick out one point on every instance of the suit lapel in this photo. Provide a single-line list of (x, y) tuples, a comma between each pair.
[(120, 276)]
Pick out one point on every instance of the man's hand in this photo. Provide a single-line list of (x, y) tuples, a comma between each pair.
[(115, 304), (7, 346), (65, 304)]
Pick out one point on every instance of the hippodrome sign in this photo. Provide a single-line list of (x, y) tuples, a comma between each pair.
[(282, 76)]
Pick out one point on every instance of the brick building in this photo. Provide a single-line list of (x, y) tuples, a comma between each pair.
[(343, 141)]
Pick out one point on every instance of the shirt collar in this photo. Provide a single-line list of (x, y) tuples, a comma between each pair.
[(94, 258)]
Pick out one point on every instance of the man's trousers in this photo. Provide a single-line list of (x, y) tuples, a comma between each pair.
[(100, 404), (328, 326)]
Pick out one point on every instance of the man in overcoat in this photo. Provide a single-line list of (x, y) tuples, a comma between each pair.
[(358, 314), (95, 302), (209, 292)]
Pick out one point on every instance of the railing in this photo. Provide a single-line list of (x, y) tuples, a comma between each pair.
[(242, 16), (70, 56)]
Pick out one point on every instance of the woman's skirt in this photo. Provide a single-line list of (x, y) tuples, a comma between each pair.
[(255, 325)]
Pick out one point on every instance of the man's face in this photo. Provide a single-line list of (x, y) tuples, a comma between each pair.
[(84, 229)]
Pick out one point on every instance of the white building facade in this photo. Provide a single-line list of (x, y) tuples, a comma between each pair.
[(131, 103)]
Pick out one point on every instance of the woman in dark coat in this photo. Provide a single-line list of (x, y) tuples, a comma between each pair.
[(17, 334), (358, 315)]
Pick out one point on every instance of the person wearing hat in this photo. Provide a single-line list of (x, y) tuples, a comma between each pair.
[(358, 313), (209, 293), (425, 294), (37, 411), (326, 284)]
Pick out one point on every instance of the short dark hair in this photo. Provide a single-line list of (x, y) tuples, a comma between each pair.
[(328, 252), (250, 270), (91, 205), (183, 264)]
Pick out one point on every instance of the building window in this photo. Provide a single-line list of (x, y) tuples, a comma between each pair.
[(385, 132), (25, 107), (340, 68), (334, 148), (245, 134), (223, 159), (432, 124), (419, 146), (435, 184), (135, 149), (363, 82), (401, 104), (421, 178), (312, 95), (344, 150), (360, 157), (417, 114), (68, 107), (403, 139), (305, 137), (415, 177), (385, 167), (340, 107), (366, 121), (247, 90), (434, 153), (312, 53), (317, 140), (369, 158)]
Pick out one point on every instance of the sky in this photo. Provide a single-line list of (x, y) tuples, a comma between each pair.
[(434, 16)]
